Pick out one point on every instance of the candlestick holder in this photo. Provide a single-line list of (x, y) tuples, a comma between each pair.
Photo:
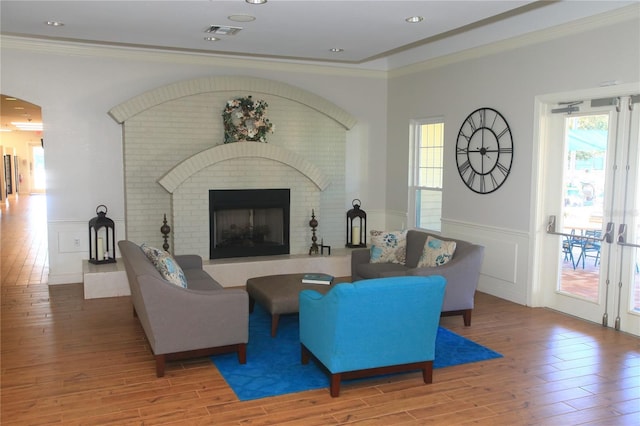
[(313, 223), (322, 247), (165, 229)]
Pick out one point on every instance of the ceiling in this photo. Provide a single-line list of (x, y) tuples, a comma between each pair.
[(369, 34)]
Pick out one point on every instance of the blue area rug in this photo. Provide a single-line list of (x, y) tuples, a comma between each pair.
[(273, 364)]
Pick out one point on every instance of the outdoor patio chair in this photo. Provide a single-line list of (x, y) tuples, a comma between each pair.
[(590, 247)]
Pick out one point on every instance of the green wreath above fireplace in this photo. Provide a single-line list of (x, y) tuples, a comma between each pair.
[(244, 120)]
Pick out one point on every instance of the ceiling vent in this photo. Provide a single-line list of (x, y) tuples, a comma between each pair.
[(222, 30)]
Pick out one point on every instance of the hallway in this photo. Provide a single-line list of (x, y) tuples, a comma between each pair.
[(23, 239)]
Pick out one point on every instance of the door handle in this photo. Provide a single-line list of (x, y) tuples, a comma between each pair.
[(622, 237), (608, 234), (622, 233)]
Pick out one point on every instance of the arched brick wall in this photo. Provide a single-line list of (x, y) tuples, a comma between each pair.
[(173, 155)]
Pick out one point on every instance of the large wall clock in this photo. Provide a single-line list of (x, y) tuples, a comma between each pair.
[(484, 150)]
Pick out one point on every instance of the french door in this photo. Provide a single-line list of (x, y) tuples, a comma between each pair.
[(591, 192)]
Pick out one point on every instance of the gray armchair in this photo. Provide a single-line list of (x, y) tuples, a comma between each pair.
[(462, 272)]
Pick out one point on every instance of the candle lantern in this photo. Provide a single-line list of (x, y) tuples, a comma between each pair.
[(102, 238), (356, 226)]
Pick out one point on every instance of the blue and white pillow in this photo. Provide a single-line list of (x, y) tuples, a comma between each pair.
[(388, 247), (436, 252), (166, 265)]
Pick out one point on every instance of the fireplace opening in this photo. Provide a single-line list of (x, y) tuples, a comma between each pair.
[(248, 222)]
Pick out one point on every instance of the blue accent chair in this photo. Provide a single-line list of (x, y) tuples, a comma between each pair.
[(372, 327)]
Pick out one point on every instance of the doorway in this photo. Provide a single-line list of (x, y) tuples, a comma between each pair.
[(21, 142), (589, 261)]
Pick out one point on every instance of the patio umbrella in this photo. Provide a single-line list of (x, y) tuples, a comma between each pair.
[(587, 140)]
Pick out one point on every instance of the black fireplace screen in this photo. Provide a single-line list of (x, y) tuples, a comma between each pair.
[(248, 222)]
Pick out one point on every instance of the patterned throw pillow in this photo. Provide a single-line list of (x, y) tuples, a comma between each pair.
[(436, 252), (151, 252), (388, 247), (166, 265)]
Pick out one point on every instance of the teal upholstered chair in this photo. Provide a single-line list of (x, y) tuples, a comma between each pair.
[(372, 327)]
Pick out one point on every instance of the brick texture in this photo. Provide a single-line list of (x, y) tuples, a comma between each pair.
[(164, 136)]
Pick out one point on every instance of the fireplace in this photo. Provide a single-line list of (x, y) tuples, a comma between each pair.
[(248, 222)]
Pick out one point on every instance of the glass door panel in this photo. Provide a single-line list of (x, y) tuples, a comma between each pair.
[(584, 181), (626, 295)]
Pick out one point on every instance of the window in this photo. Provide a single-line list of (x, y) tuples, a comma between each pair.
[(425, 174)]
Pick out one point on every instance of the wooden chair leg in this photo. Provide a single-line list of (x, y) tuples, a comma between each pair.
[(160, 362), (242, 353), (274, 324), (427, 372), (304, 355), (335, 384), (466, 316)]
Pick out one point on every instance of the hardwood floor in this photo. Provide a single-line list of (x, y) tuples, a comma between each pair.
[(70, 361)]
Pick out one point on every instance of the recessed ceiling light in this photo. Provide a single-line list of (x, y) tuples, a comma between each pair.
[(27, 125), (414, 19), (336, 50), (241, 18), (55, 23), (211, 38), (256, 1)]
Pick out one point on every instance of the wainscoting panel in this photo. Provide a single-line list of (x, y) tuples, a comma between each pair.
[(506, 258)]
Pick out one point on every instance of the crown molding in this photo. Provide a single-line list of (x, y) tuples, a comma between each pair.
[(65, 48), (614, 17)]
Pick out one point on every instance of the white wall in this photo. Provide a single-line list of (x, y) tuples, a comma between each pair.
[(76, 86), (508, 81)]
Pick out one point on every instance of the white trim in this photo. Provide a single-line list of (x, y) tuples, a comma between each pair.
[(586, 24), (484, 228), (192, 165), (68, 48), (167, 93), (66, 278)]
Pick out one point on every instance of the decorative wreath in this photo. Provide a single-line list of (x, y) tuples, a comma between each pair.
[(244, 120)]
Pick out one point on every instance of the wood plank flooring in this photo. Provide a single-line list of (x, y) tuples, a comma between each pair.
[(70, 361)]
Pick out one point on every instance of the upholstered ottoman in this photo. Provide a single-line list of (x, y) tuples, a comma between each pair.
[(278, 294)]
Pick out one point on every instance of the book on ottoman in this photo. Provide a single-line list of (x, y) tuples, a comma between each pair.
[(324, 279)]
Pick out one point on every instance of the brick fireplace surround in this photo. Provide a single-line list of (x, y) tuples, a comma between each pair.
[(173, 155)]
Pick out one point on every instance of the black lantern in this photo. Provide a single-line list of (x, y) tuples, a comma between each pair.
[(356, 226), (102, 238)]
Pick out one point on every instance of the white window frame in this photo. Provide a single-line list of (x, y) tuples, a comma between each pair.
[(415, 136)]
